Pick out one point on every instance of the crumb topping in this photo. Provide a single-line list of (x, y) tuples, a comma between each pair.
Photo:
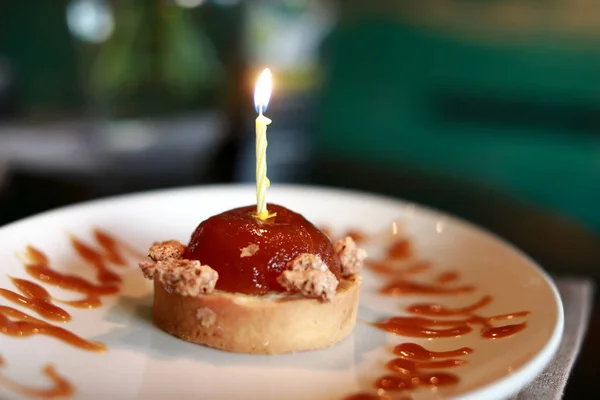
[(249, 250), (148, 269), (308, 275), (186, 277), (351, 256), (206, 316), (307, 262), (162, 251)]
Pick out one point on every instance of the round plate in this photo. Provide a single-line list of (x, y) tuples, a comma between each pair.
[(142, 362)]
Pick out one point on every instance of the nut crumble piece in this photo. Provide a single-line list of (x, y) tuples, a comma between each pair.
[(162, 251), (351, 256), (186, 277), (206, 316), (148, 269), (309, 276)]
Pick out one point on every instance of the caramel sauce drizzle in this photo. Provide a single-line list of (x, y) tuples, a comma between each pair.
[(391, 268), (414, 365), (438, 310), (356, 235), (406, 287), (400, 382), (413, 351), (326, 231), (19, 324), (370, 396), (400, 249), (407, 366), (60, 388), (412, 359), (447, 277), (97, 260), (36, 298), (406, 371), (419, 327)]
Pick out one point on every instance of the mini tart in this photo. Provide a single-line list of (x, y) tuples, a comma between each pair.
[(279, 286), (268, 324)]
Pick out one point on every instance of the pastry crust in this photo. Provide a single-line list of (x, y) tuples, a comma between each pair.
[(271, 324)]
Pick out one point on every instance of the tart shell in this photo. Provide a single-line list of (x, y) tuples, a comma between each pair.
[(270, 324)]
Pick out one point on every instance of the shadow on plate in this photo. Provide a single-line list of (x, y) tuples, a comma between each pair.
[(138, 334)]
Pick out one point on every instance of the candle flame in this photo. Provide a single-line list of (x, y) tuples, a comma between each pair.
[(262, 92)]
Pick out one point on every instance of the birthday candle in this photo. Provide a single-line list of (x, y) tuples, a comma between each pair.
[(262, 95)]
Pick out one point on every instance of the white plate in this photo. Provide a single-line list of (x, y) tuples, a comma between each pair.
[(142, 362)]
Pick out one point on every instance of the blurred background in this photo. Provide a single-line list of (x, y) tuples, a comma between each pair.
[(486, 109)]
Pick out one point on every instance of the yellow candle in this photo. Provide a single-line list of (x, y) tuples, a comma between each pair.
[(262, 95)]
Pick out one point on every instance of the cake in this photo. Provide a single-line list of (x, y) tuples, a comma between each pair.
[(248, 285)]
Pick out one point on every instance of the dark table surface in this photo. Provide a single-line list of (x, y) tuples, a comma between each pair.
[(562, 246)]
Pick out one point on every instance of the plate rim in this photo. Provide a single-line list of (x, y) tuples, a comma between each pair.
[(501, 388)]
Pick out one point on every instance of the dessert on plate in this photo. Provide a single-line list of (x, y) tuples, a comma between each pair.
[(256, 285)]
